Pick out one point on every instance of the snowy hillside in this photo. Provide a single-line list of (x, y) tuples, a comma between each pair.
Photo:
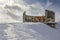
[(28, 31)]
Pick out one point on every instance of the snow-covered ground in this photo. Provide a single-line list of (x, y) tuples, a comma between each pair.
[(28, 31)]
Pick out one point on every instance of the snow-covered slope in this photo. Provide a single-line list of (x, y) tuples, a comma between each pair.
[(28, 31)]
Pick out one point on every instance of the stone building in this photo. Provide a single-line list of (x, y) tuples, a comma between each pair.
[(50, 16), (48, 19), (28, 18)]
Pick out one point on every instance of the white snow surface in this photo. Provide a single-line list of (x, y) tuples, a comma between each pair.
[(28, 31)]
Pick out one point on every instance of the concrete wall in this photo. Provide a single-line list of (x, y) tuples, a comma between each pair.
[(50, 16), (48, 19), (27, 18)]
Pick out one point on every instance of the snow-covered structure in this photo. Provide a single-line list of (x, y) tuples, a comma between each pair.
[(48, 19)]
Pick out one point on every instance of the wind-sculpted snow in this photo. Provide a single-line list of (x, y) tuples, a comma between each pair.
[(28, 31)]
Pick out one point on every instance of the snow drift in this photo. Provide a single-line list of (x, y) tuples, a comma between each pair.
[(28, 31)]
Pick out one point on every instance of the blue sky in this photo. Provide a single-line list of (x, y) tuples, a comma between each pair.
[(55, 3)]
